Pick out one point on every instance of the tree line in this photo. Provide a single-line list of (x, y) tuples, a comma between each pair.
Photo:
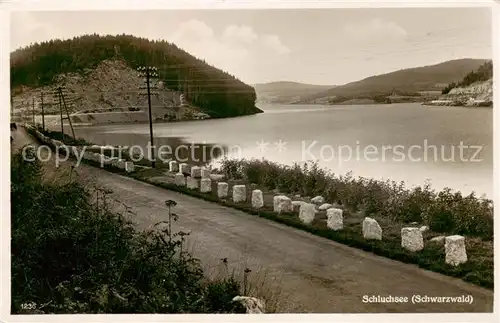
[(216, 92), (483, 73)]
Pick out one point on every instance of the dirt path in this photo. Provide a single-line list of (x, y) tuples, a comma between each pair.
[(316, 275)]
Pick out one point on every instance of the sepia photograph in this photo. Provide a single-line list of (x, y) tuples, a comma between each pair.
[(250, 160)]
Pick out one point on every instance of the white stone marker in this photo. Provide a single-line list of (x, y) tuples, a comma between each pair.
[(371, 229), (205, 172), (205, 185), (335, 220), (438, 240), (217, 177), (257, 199), (296, 205), (253, 305), (191, 183), (180, 180), (196, 172), (324, 207), (412, 239), (318, 200), (424, 228), (101, 159), (114, 161), (222, 189), (239, 193), (121, 164), (454, 247), (307, 212), (129, 166), (173, 166), (184, 168), (108, 161), (282, 203), (76, 151)]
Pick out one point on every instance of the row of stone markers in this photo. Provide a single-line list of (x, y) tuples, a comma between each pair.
[(411, 238), (77, 151)]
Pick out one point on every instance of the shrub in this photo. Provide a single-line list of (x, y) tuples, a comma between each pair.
[(451, 212), (71, 254)]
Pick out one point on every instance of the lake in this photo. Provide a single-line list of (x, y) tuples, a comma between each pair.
[(448, 146)]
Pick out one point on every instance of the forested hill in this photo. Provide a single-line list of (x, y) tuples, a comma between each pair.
[(214, 91), (286, 92)]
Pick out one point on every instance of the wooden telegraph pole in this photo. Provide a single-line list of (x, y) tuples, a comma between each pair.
[(67, 112), (148, 72), (60, 110), (43, 114), (33, 104)]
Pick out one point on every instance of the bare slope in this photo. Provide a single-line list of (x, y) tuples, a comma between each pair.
[(112, 86)]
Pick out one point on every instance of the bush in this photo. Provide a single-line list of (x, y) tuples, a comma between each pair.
[(451, 212), (71, 254)]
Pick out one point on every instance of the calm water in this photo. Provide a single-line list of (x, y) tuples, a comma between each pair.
[(401, 142)]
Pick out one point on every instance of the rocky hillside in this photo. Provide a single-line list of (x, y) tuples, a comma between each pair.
[(476, 89), (112, 86), (479, 94), (88, 67)]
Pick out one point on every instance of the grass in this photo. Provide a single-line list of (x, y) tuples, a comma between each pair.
[(72, 254), (391, 204)]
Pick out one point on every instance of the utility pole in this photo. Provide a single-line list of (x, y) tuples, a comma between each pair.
[(57, 96), (11, 107), (148, 72), (43, 114), (67, 113), (33, 104)]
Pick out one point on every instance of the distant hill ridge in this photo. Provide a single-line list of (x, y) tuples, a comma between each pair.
[(215, 92), (409, 82), (286, 91)]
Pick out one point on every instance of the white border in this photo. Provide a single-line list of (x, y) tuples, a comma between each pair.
[(218, 4)]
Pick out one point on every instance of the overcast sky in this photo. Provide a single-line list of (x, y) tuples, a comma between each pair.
[(322, 46)]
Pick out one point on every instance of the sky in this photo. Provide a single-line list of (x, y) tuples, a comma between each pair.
[(315, 46)]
